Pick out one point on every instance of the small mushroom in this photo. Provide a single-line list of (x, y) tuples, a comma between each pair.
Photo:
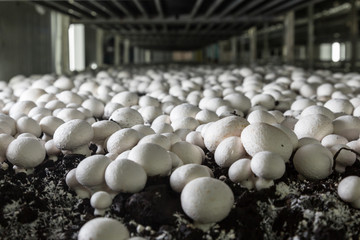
[(25, 152), (127, 117), (315, 126), (207, 200), (159, 139), (103, 228), (100, 201), (260, 137), (154, 159), (333, 139), (5, 140), (187, 152), (123, 175), (268, 166), (349, 190), (102, 130), (228, 151), (28, 125), (91, 172), (313, 161), (72, 183), (186, 173), (343, 157), (122, 140), (240, 172)]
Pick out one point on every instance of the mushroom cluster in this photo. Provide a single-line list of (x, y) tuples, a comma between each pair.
[(253, 123)]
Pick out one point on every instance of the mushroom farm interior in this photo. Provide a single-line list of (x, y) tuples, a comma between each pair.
[(179, 119)]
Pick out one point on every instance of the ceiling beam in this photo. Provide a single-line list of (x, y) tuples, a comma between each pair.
[(265, 7), (141, 8), (159, 8), (179, 21), (53, 6), (102, 8), (193, 13), (284, 6), (230, 7), (247, 7), (212, 8), (122, 8)]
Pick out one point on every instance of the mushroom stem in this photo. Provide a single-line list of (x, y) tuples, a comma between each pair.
[(261, 183)]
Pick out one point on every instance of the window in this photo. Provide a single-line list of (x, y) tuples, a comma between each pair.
[(76, 47)]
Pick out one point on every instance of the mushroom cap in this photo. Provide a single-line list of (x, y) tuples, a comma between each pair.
[(5, 140), (221, 129), (347, 126), (345, 157), (103, 228), (28, 125), (158, 139), (73, 134), (26, 152), (122, 140), (183, 110), (260, 137), (186, 173), (268, 165), (261, 116), (187, 152), (315, 126), (228, 151), (101, 200), (349, 189), (207, 200), (240, 170), (313, 161), (333, 139), (123, 175), (91, 171), (154, 159), (103, 129), (127, 117), (49, 124)]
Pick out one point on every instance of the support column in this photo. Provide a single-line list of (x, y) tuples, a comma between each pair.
[(60, 35), (136, 55), (99, 47), (117, 53), (234, 51), (126, 57), (253, 43), (289, 28), (266, 52), (354, 34), (310, 39), (242, 50), (147, 56)]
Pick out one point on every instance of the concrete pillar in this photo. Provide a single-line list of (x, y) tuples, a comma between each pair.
[(310, 39), (234, 50), (126, 58), (147, 56), (253, 44), (117, 53), (266, 52), (60, 39), (289, 47), (354, 34), (136, 55), (242, 50), (99, 47)]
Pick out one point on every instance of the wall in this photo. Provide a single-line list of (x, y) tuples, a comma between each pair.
[(25, 40)]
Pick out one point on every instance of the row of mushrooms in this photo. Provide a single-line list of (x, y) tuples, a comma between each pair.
[(153, 122)]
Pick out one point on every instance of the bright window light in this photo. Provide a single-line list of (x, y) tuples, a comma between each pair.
[(335, 52), (76, 47)]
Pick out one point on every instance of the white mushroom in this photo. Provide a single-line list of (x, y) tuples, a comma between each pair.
[(127, 117), (228, 151), (313, 161), (28, 125), (347, 126), (25, 152), (154, 159), (349, 190), (103, 228), (100, 201), (102, 130), (260, 137), (343, 157), (72, 183), (207, 200), (158, 139), (315, 126), (240, 172), (186, 173), (268, 166), (221, 129), (91, 172), (122, 140), (333, 139), (187, 152), (123, 175), (73, 134), (5, 140)]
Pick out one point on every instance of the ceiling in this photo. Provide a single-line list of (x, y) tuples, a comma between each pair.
[(175, 24)]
